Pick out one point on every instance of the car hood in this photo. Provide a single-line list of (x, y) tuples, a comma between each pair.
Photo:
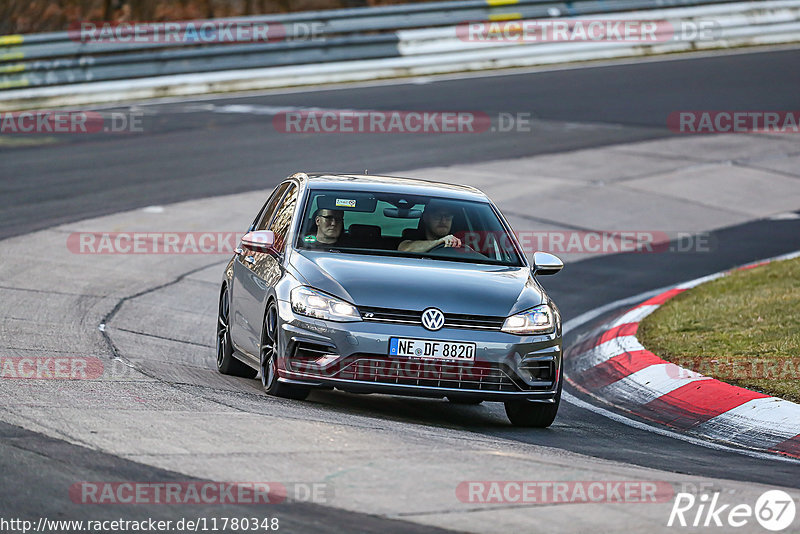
[(416, 284)]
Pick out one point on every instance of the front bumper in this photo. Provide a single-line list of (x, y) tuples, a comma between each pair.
[(354, 357)]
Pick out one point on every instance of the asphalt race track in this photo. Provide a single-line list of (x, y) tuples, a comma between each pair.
[(204, 148), (200, 154)]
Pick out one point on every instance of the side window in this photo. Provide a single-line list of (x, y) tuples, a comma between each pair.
[(266, 212), (283, 219)]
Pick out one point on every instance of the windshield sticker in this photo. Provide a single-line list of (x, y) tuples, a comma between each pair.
[(345, 203), (309, 238)]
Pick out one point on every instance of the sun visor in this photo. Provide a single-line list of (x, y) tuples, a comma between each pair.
[(439, 204)]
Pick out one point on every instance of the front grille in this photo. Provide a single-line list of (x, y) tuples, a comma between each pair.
[(473, 321), (379, 369), (451, 320), (386, 315), (427, 373)]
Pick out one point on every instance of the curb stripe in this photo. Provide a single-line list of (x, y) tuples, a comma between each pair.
[(584, 346), (650, 383), (697, 281), (635, 315), (661, 298), (620, 371), (627, 329), (752, 266), (617, 368), (693, 404), (755, 418), (606, 351), (790, 447)]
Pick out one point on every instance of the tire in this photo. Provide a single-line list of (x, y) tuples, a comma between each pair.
[(534, 414), (227, 364), (465, 401), (269, 360)]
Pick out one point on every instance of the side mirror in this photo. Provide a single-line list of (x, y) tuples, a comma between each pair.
[(259, 241), (545, 263)]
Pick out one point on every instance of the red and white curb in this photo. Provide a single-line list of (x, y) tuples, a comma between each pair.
[(613, 367)]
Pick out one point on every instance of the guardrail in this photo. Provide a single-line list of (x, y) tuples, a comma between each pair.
[(350, 44)]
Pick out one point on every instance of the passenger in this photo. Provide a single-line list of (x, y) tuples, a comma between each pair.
[(435, 225), (330, 224)]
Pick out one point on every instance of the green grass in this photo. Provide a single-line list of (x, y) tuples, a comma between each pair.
[(743, 329)]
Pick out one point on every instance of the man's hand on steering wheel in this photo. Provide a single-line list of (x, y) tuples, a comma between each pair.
[(448, 241)]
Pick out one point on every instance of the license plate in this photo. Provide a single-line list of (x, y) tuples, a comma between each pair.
[(430, 349)]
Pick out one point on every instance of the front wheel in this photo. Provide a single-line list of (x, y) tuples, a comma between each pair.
[(269, 360), (534, 414), (531, 414)]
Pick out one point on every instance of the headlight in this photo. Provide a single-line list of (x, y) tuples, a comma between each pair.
[(313, 303), (538, 320)]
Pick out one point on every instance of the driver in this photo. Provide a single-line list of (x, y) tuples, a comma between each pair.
[(330, 224), (436, 222)]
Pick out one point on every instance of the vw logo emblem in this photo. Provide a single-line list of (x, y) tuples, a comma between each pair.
[(432, 319)]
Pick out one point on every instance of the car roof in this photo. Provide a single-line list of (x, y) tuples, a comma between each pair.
[(393, 184)]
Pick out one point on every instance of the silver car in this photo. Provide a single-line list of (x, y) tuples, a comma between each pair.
[(377, 284)]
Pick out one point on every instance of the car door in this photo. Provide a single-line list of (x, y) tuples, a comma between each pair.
[(241, 267), (254, 273)]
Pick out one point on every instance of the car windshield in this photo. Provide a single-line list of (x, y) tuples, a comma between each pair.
[(394, 224)]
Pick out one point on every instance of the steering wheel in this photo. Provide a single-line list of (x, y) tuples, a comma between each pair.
[(464, 247), (457, 251)]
